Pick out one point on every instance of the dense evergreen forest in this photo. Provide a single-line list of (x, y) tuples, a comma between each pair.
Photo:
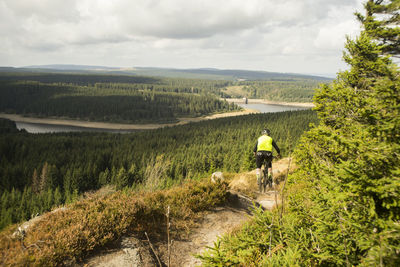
[(285, 90), (135, 99), (109, 102), (342, 204), (39, 171)]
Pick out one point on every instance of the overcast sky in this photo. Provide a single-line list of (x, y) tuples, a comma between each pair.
[(300, 36)]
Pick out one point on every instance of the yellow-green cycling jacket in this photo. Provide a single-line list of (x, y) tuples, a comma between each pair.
[(265, 143)]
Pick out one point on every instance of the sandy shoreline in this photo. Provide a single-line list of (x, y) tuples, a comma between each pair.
[(118, 126), (263, 101)]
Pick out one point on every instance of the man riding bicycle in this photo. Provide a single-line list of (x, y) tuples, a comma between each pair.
[(263, 152)]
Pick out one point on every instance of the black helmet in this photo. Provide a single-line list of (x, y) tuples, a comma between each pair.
[(266, 131)]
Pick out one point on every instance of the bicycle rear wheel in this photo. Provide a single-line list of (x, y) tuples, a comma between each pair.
[(265, 179), (259, 183)]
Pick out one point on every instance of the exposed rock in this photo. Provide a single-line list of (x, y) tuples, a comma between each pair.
[(129, 252), (24, 228), (238, 200), (217, 177)]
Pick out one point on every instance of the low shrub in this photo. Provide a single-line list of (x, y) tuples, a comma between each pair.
[(70, 234)]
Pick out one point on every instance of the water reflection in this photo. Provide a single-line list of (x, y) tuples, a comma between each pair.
[(52, 128), (269, 108)]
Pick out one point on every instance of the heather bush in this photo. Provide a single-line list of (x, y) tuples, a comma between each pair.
[(68, 235)]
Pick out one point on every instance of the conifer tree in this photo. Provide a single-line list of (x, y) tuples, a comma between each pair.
[(23, 210), (133, 175), (380, 23), (35, 182), (44, 178), (351, 159), (58, 198), (122, 179), (104, 177)]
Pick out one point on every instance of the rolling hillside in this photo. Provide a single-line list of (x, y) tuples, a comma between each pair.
[(201, 73)]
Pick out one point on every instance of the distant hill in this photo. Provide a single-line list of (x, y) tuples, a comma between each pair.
[(70, 67), (225, 74), (201, 73)]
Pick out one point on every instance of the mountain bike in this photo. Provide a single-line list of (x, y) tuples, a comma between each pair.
[(265, 180)]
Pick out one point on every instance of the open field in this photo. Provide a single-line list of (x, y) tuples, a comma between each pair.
[(235, 90)]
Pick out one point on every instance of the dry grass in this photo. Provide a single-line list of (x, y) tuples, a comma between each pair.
[(246, 183), (235, 91), (68, 236)]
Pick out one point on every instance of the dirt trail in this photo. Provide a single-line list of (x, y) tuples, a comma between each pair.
[(220, 221)]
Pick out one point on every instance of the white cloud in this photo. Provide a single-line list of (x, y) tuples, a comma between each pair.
[(253, 34), (332, 33)]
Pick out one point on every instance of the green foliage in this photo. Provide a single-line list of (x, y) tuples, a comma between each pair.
[(296, 90), (263, 242), (380, 22), (19, 206), (351, 158), (7, 126)]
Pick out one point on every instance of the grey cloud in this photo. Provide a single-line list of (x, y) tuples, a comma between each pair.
[(180, 19), (45, 46), (174, 19), (87, 39), (47, 11), (177, 20)]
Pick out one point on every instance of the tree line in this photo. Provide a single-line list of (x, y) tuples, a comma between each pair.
[(122, 103), (301, 90)]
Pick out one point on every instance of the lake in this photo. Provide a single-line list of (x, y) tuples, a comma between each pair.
[(52, 128), (270, 108)]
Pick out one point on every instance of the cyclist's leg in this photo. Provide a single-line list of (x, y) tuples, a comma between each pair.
[(269, 165)]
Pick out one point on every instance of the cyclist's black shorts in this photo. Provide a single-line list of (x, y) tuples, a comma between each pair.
[(264, 155)]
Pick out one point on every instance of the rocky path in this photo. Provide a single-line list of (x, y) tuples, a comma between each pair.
[(220, 221)]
